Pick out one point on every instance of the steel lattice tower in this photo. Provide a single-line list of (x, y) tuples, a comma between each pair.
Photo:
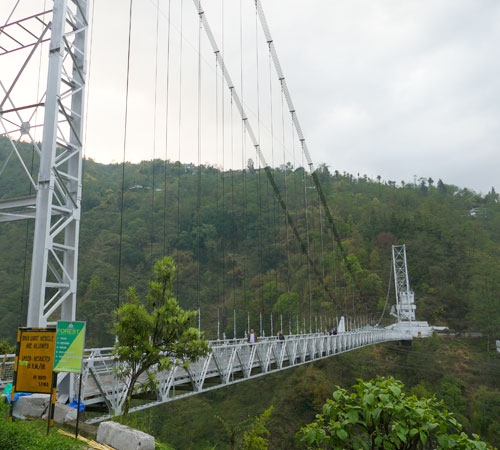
[(405, 304), (60, 34)]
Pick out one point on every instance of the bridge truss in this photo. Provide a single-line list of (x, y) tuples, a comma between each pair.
[(228, 362)]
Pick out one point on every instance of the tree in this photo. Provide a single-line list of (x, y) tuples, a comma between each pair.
[(441, 186), (232, 430), (486, 412), (6, 348), (254, 438), (379, 415), (157, 337), (287, 304)]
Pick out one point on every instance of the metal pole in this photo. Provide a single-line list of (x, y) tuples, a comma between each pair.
[(234, 323)]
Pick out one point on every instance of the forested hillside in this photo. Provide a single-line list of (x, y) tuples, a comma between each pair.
[(247, 247), (459, 372), (238, 254)]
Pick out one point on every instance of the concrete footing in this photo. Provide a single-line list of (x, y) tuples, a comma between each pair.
[(37, 405), (122, 437)]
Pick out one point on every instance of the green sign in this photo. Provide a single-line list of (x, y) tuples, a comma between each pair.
[(70, 342)]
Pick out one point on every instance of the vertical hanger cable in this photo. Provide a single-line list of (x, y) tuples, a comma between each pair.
[(125, 121)]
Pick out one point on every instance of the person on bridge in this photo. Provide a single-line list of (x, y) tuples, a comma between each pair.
[(252, 338)]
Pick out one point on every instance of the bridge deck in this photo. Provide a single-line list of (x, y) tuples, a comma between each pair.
[(229, 362)]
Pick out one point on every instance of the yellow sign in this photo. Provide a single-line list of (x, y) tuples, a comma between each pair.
[(35, 360)]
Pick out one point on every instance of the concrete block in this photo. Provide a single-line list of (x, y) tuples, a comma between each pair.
[(64, 413), (122, 437), (33, 405)]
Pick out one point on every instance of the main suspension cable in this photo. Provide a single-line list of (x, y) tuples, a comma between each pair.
[(249, 130), (295, 120)]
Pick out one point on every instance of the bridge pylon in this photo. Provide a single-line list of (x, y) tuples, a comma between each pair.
[(61, 35), (405, 308)]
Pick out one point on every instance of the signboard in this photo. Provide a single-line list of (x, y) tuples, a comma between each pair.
[(35, 360), (70, 341)]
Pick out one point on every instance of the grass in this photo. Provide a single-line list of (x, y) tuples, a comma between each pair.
[(32, 435)]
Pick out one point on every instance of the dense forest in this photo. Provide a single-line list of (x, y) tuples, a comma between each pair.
[(288, 249), (259, 241), (458, 371)]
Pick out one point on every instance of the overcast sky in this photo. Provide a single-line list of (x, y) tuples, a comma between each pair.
[(396, 88), (401, 89)]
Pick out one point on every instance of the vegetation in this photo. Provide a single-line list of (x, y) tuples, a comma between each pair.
[(256, 437), (32, 435), (23, 435), (379, 415), (6, 348), (238, 257), (457, 371), (161, 337)]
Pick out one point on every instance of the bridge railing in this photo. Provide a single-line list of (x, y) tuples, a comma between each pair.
[(229, 361), (232, 361)]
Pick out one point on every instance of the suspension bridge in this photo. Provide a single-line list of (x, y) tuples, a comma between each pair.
[(221, 116), (228, 362)]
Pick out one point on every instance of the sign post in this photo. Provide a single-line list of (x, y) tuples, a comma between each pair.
[(33, 366), (70, 341), (35, 359), (68, 355)]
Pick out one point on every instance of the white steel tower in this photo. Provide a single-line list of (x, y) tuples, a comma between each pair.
[(61, 35), (405, 306)]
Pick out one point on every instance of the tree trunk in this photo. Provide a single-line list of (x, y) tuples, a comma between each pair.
[(130, 389)]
